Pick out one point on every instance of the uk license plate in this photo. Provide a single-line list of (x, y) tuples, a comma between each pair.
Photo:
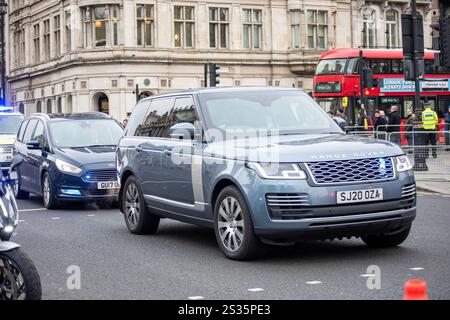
[(107, 185), (354, 196)]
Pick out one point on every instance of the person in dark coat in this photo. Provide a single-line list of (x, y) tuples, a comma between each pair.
[(394, 125)]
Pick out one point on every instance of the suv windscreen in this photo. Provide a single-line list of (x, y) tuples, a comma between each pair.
[(10, 124), (287, 112), (85, 133)]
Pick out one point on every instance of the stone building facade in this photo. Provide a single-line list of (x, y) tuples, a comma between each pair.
[(89, 55)]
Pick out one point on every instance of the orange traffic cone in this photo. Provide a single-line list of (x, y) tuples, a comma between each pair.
[(415, 290)]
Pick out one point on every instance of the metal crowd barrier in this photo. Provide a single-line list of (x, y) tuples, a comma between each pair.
[(416, 145)]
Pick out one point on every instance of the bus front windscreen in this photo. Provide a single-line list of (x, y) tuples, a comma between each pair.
[(334, 66)]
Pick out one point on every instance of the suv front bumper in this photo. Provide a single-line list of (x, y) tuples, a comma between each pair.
[(320, 217)]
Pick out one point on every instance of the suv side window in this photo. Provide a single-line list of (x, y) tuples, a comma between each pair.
[(30, 130), (39, 135), (22, 131), (137, 118), (183, 111), (155, 123)]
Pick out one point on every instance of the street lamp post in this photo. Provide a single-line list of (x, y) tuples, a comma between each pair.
[(3, 11)]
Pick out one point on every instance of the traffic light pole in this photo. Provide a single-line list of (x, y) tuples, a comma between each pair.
[(416, 56)]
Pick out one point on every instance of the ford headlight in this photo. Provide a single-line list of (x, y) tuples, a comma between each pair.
[(67, 167), (403, 164), (288, 171)]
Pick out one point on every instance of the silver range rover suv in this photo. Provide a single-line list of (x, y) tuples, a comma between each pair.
[(260, 166)]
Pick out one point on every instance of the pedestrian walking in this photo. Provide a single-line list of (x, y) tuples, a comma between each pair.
[(430, 121), (125, 122), (410, 121), (394, 125), (447, 128)]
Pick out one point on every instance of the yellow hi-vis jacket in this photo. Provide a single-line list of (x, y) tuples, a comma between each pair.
[(429, 119)]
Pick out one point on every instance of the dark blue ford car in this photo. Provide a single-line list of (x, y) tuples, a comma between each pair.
[(68, 157)]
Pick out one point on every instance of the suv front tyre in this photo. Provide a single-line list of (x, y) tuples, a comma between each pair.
[(138, 217), (233, 227)]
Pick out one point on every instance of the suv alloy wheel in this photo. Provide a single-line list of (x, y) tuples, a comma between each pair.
[(233, 227), (138, 217)]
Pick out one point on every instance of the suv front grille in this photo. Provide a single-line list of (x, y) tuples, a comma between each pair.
[(288, 206), (100, 175), (352, 171)]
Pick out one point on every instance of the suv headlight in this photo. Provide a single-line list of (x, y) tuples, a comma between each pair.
[(286, 171), (67, 167), (403, 164)]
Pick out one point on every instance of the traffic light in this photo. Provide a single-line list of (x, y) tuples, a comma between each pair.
[(214, 75), (408, 36), (412, 54), (444, 41)]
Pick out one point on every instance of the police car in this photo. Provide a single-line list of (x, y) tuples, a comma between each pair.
[(9, 125)]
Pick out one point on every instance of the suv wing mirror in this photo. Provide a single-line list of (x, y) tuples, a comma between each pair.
[(184, 130), (34, 145), (340, 122)]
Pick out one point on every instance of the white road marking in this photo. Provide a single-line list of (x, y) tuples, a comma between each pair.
[(32, 210), (56, 218), (314, 282), (416, 268), (256, 289), (20, 221), (91, 215), (196, 298)]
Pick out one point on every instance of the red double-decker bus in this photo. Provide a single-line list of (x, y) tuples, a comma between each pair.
[(337, 83)]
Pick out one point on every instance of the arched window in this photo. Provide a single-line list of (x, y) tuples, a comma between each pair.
[(369, 28), (59, 105), (49, 106), (392, 27), (38, 107), (22, 108)]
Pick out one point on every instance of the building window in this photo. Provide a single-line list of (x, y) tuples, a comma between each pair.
[(295, 29), (38, 107), (115, 25), (392, 29), (57, 34), (184, 27), (37, 42), (101, 26), (218, 27), (49, 106), (317, 29), (59, 105), (22, 47), (16, 48), (22, 108), (68, 32), (369, 28), (252, 28), (145, 24), (46, 38)]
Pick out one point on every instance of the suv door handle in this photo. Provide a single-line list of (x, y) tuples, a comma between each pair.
[(168, 152)]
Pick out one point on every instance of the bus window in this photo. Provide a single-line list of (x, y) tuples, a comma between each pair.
[(396, 66), (352, 66), (327, 67), (379, 66)]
